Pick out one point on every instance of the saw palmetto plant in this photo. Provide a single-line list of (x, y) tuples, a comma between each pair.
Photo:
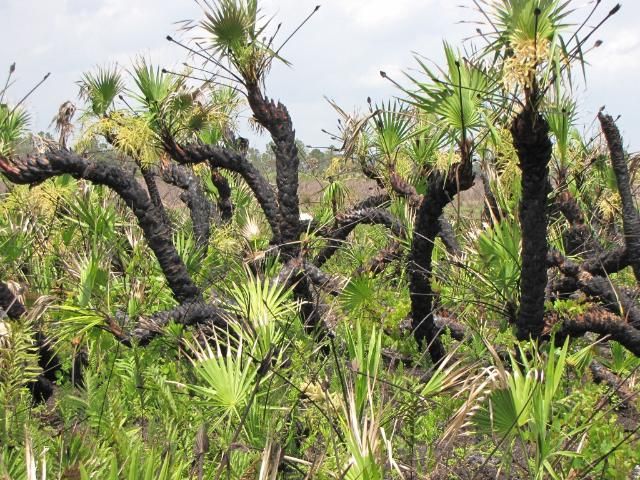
[(450, 291)]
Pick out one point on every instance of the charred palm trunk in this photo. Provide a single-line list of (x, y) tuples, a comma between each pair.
[(225, 206), (194, 198), (347, 222), (152, 187), (420, 272), (42, 388), (426, 229), (531, 139), (193, 154), (630, 216), (276, 119), (35, 169), (441, 188)]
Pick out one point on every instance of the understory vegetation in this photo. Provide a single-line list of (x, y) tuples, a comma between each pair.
[(459, 299)]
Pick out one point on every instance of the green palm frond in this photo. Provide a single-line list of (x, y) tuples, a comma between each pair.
[(225, 379), (264, 305), (101, 88), (516, 19), (457, 99), (561, 117), (153, 85), (232, 25), (528, 42), (394, 124), (235, 30), (13, 124)]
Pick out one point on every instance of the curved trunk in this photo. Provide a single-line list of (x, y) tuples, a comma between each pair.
[(34, 169), (225, 206), (229, 160), (193, 196), (276, 120), (154, 193), (531, 139), (631, 219), (441, 188), (347, 222)]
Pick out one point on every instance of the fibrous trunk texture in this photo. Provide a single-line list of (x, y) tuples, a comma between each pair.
[(193, 196), (152, 187), (229, 160), (276, 120), (630, 217), (604, 323), (190, 313), (441, 188), (531, 139), (34, 169), (225, 206)]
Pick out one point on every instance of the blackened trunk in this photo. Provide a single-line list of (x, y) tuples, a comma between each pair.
[(194, 198), (448, 236), (152, 187), (190, 313), (276, 120), (42, 388), (630, 216), (426, 228), (233, 161), (441, 189), (34, 169), (9, 303), (347, 222), (225, 206), (531, 139)]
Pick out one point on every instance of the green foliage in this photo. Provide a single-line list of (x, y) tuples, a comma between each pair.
[(458, 98), (101, 89), (263, 398), (13, 124)]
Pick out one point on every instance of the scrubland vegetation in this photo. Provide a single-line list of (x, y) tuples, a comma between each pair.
[(384, 325)]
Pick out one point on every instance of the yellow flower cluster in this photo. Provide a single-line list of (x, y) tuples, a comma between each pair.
[(610, 207), (519, 68), (317, 394)]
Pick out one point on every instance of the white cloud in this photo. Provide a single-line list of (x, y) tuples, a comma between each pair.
[(338, 53)]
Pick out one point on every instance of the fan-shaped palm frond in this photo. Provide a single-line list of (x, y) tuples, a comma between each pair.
[(232, 24), (101, 88), (13, 124), (561, 117), (527, 41), (154, 85), (394, 124), (458, 98), (225, 379), (518, 21), (235, 30), (264, 305)]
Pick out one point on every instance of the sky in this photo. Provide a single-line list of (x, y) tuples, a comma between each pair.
[(338, 54)]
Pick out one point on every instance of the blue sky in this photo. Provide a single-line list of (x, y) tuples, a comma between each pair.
[(338, 54)]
